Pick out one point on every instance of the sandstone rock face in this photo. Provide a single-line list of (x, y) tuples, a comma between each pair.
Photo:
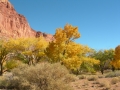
[(5, 1), (48, 37), (14, 25)]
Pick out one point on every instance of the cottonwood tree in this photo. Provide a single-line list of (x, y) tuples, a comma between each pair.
[(59, 49), (63, 49), (30, 50), (5, 50), (116, 61)]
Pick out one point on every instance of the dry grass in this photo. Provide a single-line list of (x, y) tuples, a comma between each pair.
[(43, 76)]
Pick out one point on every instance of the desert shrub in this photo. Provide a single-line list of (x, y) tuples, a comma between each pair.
[(3, 81), (113, 74), (43, 76), (105, 84), (96, 82), (114, 80), (82, 77), (92, 78), (101, 76), (85, 83)]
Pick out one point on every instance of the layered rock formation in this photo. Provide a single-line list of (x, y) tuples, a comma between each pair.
[(15, 25)]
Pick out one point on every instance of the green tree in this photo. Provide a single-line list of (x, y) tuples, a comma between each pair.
[(88, 63), (105, 56)]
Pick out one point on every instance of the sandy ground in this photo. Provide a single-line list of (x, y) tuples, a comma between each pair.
[(99, 82)]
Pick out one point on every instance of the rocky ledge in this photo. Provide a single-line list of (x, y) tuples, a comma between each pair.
[(14, 25)]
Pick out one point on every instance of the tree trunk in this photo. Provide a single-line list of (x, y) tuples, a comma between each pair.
[(1, 69), (113, 69), (102, 69)]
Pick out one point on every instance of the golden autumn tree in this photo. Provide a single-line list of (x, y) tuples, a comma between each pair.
[(63, 49), (30, 49), (116, 61), (39, 49), (72, 60), (59, 49), (5, 50), (23, 47)]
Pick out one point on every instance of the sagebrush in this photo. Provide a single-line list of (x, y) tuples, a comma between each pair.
[(43, 76)]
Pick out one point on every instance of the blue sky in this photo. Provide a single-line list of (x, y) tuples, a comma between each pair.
[(98, 20)]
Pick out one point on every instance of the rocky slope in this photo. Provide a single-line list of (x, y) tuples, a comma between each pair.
[(15, 25)]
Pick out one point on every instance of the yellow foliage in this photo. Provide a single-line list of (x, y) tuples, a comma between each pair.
[(90, 60), (117, 53), (60, 36), (64, 50), (116, 61), (4, 51), (27, 53), (40, 54), (29, 47), (72, 63), (71, 32), (41, 43), (68, 33)]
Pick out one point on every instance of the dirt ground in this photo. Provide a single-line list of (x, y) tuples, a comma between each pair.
[(96, 82)]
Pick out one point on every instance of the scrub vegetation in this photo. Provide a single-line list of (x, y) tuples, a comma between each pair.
[(35, 64)]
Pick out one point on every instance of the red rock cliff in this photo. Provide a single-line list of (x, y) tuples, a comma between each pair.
[(13, 24)]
